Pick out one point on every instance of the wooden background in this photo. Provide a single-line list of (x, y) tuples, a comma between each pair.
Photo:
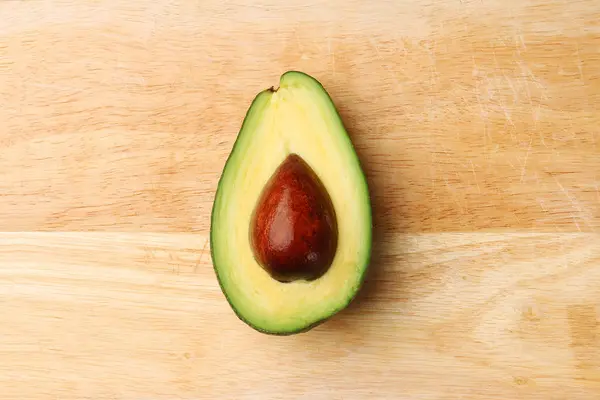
[(477, 124)]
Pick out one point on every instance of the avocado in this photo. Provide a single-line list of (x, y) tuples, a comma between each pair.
[(291, 224)]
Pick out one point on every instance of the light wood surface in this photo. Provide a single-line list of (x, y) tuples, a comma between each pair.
[(476, 121)]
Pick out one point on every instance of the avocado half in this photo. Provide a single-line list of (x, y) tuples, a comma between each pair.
[(297, 118)]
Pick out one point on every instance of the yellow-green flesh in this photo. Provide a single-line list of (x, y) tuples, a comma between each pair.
[(298, 118)]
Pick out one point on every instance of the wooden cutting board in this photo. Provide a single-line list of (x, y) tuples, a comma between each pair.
[(477, 123)]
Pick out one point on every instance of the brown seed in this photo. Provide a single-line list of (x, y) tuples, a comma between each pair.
[(294, 229)]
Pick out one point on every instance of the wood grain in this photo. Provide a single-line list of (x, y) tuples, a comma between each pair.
[(466, 115), (476, 122), (443, 316)]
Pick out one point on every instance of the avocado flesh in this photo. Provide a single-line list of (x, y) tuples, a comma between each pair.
[(298, 118)]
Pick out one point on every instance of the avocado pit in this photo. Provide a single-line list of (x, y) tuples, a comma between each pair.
[(294, 229)]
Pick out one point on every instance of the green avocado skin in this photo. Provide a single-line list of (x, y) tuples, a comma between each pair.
[(214, 223)]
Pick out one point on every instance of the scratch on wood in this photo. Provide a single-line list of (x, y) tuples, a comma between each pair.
[(454, 197), (536, 115), (526, 157), (522, 41), (298, 41), (579, 63), (475, 176), (201, 255), (385, 66), (574, 203), (434, 71), (332, 55), (576, 223)]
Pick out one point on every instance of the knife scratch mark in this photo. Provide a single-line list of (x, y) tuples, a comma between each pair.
[(526, 158), (201, 254), (381, 60), (575, 204), (300, 47), (579, 63), (332, 55), (475, 176)]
